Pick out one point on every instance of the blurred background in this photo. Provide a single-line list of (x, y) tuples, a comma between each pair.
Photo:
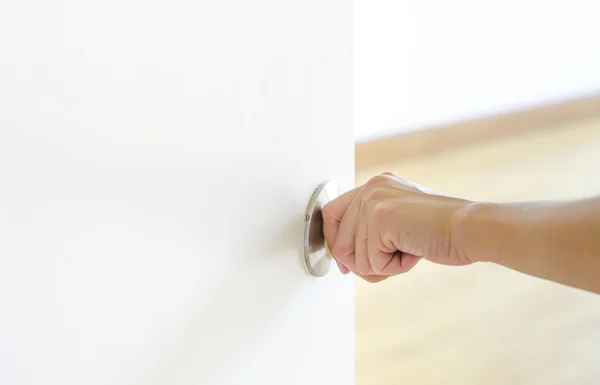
[(430, 76), (421, 63)]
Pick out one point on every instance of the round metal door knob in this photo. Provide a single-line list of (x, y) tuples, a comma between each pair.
[(316, 253)]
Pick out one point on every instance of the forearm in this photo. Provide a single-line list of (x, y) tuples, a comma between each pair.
[(558, 241)]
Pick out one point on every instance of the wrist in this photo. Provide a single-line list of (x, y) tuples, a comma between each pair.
[(485, 232)]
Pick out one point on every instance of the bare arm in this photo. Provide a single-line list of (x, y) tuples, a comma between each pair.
[(558, 241), (385, 227)]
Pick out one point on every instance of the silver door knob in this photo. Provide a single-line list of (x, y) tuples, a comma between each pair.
[(316, 252)]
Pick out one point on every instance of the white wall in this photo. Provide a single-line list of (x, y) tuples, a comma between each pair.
[(419, 63), (156, 160)]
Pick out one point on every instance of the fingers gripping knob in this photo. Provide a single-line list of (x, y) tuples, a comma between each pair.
[(316, 251)]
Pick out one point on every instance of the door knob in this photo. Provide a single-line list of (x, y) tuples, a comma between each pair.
[(316, 252)]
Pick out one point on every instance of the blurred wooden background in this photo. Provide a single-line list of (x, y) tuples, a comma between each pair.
[(483, 324)]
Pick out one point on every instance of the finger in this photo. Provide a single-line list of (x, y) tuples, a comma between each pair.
[(401, 263), (363, 266), (380, 248), (343, 269), (373, 278), (332, 216), (343, 248), (379, 260), (333, 213)]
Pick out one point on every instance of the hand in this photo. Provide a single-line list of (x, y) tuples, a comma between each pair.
[(386, 226)]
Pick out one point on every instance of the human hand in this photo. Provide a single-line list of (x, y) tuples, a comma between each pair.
[(386, 226)]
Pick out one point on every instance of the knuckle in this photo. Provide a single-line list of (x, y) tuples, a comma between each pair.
[(376, 193), (378, 212), (378, 180)]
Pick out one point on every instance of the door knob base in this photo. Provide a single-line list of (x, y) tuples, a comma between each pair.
[(316, 253)]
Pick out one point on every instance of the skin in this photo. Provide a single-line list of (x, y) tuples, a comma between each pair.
[(386, 226)]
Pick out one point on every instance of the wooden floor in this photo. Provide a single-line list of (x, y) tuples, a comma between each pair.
[(483, 324)]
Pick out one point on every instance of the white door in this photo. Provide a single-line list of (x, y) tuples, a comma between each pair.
[(156, 160)]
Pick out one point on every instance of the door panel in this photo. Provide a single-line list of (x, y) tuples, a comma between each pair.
[(156, 160)]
